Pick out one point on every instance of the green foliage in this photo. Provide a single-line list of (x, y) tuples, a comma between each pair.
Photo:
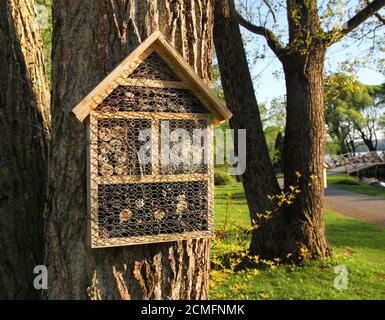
[(46, 27), (348, 182), (233, 258), (221, 177), (279, 151), (357, 245), (271, 134), (275, 115), (332, 147), (353, 110), (216, 83), (274, 119), (342, 179)]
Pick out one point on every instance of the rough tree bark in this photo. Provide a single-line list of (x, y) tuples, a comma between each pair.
[(24, 134), (259, 178), (304, 150), (90, 39)]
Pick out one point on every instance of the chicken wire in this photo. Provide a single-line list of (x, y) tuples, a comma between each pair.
[(134, 200), (139, 98), (153, 67), (194, 159), (151, 209)]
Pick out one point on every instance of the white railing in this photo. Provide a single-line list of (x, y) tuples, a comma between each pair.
[(356, 160)]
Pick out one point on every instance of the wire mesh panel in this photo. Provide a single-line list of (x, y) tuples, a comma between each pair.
[(150, 161), (150, 209), (138, 98), (153, 67), (186, 155)]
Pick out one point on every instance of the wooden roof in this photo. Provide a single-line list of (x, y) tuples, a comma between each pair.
[(158, 43)]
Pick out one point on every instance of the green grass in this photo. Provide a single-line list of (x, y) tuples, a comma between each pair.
[(357, 245), (346, 182)]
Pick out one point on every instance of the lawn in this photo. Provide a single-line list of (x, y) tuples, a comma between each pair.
[(357, 245), (346, 182)]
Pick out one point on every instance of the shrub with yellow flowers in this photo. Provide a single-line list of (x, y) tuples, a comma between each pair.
[(231, 256)]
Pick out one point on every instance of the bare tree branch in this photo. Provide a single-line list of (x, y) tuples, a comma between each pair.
[(267, 3), (270, 37), (377, 15), (370, 10), (380, 18)]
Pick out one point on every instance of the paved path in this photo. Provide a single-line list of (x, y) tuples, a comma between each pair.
[(356, 205)]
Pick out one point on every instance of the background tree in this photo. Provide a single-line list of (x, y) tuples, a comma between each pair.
[(89, 39), (355, 114), (302, 58), (274, 121), (279, 149), (259, 178), (339, 130), (24, 132), (271, 134), (45, 17)]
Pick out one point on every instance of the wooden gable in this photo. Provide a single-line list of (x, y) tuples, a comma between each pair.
[(154, 64)]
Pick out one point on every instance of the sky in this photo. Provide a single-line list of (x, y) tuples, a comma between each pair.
[(268, 86)]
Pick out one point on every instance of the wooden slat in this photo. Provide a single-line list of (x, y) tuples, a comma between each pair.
[(151, 178), (92, 178), (210, 174), (154, 83), (152, 115), (155, 150), (115, 242)]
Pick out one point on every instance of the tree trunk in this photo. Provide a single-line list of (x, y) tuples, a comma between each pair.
[(259, 178), (24, 132), (305, 130), (301, 224), (368, 141), (304, 151), (90, 39), (370, 145)]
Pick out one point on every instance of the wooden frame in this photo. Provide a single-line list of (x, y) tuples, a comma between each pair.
[(87, 108), (154, 83)]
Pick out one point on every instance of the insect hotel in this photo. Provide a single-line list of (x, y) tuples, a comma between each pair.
[(148, 178)]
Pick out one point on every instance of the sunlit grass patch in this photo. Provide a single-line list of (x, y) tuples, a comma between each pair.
[(357, 245), (346, 182)]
